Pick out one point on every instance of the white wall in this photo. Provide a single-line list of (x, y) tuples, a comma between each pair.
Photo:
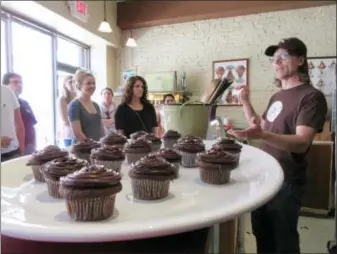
[(192, 47)]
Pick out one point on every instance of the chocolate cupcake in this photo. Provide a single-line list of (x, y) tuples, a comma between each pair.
[(39, 158), (82, 149), (55, 169), (155, 141), (229, 145), (90, 193), (136, 149), (114, 139), (215, 166), (188, 147), (137, 134), (170, 137), (150, 178), (171, 156), (110, 156)]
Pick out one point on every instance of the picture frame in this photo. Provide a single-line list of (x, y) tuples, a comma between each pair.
[(236, 70), (322, 73)]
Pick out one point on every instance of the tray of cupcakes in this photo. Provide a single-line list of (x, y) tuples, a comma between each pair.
[(89, 176)]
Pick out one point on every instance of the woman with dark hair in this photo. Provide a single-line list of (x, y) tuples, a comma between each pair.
[(108, 109), (135, 113), (169, 99), (67, 95)]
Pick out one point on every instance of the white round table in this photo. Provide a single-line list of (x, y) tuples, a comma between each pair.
[(27, 211)]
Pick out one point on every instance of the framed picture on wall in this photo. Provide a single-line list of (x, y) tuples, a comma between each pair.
[(322, 71), (235, 70)]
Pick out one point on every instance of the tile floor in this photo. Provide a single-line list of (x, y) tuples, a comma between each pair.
[(314, 234)]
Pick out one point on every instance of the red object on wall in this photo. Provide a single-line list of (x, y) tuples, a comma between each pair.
[(81, 7)]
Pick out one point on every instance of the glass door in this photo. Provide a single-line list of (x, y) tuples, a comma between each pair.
[(33, 60)]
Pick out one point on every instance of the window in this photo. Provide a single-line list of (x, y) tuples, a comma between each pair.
[(4, 67), (29, 49), (70, 53), (33, 60)]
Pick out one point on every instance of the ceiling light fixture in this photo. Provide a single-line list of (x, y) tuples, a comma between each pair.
[(131, 42), (105, 27)]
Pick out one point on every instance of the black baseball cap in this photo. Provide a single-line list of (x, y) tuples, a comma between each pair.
[(293, 45)]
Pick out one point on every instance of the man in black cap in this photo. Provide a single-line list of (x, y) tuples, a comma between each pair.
[(287, 128)]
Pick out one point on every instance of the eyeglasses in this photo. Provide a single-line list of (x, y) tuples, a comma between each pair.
[(15, 82), (281, 57)]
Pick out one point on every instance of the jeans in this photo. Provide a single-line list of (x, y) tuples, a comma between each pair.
[(68, 142), (275, 223)]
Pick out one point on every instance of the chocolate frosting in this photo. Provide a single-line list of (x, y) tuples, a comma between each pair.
[(137, 134), (227, 144), (152, 167), (93, 176), (151, 137), (217, 156), (171, 134), (190, 144), (45, 155), (191, 137), (113, 139), (107, 153), (63, 166), (169, 154), (138, 146), (217, 159), (86, 145)]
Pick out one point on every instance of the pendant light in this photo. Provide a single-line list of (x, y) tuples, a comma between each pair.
[(105, 27), (131, 42)]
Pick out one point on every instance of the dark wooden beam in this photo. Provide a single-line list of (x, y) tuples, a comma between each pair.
[(139, 14)]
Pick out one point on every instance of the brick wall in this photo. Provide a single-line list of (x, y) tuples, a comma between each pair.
[(192, 47)]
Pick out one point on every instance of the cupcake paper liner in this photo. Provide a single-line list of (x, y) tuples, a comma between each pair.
[(146, 189), (53, 188), (37, 173), (91, 209), (155, 147), (169, 143), (212, 176), (114, 165), (188, 159), (133, 157)]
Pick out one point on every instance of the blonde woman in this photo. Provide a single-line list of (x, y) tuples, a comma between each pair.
[(84, 114), (67, 95)]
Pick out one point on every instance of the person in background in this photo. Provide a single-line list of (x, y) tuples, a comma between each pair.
[(167, 99), (12, 128), (135, 113), (14, 82), (108, 109), (67, 95), (84, 114), (287, 129)]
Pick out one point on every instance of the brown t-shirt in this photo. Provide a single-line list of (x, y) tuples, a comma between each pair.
[(301, 105)]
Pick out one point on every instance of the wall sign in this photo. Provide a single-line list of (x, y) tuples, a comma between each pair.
[(79, 10)]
